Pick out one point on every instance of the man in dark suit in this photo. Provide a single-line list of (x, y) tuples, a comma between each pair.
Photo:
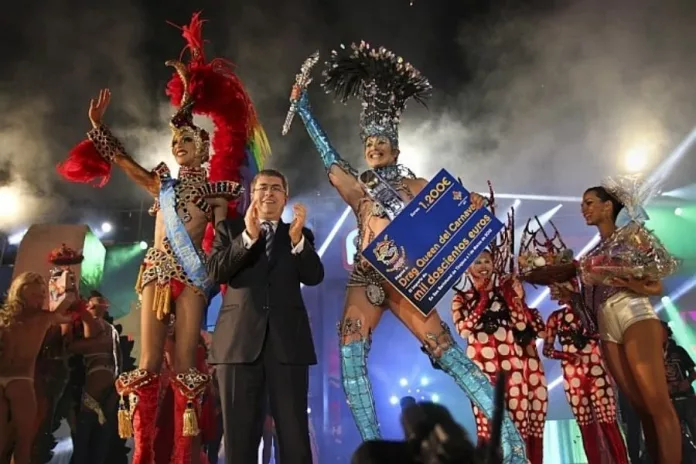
[(270, 440), (262, 340)]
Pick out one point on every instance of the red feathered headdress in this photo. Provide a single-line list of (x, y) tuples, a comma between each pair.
[(212, 89)]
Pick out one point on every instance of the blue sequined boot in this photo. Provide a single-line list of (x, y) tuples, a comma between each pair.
[(358, 389), (454, 361)]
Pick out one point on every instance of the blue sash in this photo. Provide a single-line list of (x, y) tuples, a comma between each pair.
[(179, 239)]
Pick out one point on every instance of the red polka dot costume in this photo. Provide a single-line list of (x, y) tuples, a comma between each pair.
[(587, 387), (492, 319), (535, 379)]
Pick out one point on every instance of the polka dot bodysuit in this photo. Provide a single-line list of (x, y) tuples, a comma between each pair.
[(535, 379), (587, 387), (490, 320)]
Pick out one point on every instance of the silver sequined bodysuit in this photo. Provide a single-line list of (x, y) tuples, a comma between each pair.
[(363, 274)]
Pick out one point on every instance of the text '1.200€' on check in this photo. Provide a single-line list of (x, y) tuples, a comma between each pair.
[(431, 243)]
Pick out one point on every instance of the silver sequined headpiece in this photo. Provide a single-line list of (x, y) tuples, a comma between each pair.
[(382, 80)]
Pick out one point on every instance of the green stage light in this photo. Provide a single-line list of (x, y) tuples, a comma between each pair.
[(676, 231), (92, 269), (120, 273)]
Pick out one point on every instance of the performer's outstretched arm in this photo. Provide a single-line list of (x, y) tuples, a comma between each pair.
[(228, 255), (341, 174), (92, 158), (111, 149)]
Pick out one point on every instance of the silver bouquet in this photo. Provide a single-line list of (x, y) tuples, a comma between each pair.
[(632, 251)]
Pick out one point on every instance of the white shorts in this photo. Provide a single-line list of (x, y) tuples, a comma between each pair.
[(621, 311)]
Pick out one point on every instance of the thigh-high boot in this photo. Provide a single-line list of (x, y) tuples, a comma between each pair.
[(357, 387), (142, 389), (188, 388)]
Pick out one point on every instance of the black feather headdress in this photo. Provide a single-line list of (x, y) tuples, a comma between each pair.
[(382, 80)]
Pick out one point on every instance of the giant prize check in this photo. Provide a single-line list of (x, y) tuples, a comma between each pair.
[(431, 241)]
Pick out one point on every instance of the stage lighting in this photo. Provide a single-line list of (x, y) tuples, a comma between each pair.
[(106, 227), (678, 211), (424, 381), (309, 410), (403, 382), (435, 398), (636, 158), (665, 300), (9, 202), (15, 239), (143, 245), (517, 203), (394, 400)]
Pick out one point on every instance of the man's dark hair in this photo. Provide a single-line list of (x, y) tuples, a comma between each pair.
[(407, 401), (95, 294), (433, 436), (271, 173), (604, 195)]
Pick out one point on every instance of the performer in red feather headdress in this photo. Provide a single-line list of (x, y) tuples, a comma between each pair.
[(173, 275)]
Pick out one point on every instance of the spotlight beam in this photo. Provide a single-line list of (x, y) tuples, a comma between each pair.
[(329, 238), (682, 193), (332, 234), (522, 196)]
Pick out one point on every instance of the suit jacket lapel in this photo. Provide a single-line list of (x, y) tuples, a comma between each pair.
[(281, 241)]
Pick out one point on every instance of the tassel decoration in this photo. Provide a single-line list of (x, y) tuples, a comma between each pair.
[(163, 301), (125, 424), (191, 428)]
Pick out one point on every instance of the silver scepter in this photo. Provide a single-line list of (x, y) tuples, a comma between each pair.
[(302, 80)]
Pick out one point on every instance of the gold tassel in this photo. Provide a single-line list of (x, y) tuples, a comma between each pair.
[(190, 421), (139, 280), (163, 301), (125, 425)]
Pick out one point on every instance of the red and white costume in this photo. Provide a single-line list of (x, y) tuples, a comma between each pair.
[(587, 386), (500, 330), (586, 382), (536, 384)]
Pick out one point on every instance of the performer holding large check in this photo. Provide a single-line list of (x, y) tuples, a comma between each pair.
[(384, 83)]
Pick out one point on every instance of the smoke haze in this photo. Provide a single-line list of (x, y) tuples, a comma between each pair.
[(568, 87), (572, 89)]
